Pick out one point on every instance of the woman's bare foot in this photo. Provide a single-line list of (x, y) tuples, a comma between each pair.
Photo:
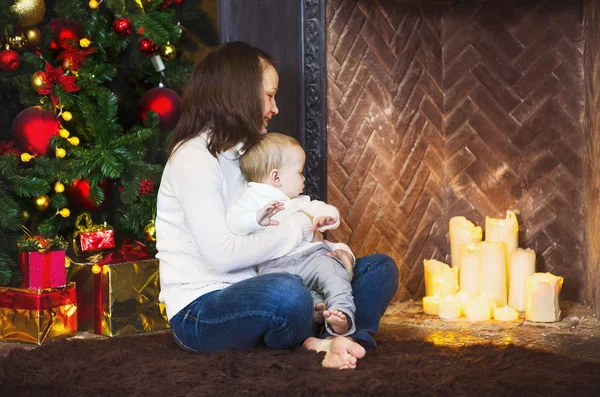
[(337, 320), (340, 352), (318, 313)]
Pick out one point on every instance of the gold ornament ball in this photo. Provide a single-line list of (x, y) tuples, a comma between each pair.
[(18, 41), (29, 12), (33, 36), (150, 232), (65, 212), (93, 4), (59, 187), (37, 81), (60, 152), (67, 116), (42, 203), (85, 42), (168, 52)]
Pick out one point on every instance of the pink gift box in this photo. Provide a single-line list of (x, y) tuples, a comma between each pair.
[(43, 270)]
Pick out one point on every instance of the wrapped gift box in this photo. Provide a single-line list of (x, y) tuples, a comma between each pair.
[(43, 269), (119, 295), (90, 238), (37, 316)]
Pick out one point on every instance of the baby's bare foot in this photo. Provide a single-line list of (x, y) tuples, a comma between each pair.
[(318, 313), (340, 352), (337, 320)]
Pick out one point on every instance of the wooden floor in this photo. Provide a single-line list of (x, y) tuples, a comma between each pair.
[(576, 335)]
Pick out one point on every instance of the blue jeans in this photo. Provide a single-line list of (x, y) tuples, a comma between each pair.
[(276, 310)]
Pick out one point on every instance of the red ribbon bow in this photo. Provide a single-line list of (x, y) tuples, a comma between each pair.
[(128, 252)]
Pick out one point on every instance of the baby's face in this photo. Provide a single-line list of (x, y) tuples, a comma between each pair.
[(292, 180)]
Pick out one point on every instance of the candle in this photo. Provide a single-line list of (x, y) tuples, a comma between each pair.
[(431, 305), (491, 303), (469, 268), (506, 230), (522, 264), (463, 297), (440, 279), (462, 231), (449, 308), (505, 314), (541, 297), (492, 276), (477, 309)]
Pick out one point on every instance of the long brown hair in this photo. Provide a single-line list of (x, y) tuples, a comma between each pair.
[(224, 94)]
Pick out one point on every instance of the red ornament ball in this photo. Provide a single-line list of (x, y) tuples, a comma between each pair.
[(177, 3), (79, 195), (9, 60), (165, 102), (147, 47), (33, 129), (122, 27), (146, 186)]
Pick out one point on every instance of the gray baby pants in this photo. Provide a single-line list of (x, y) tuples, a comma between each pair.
[(322, 274)]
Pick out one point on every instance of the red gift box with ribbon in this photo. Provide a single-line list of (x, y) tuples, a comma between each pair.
[(39, 315), (41, 267), (119, 295)]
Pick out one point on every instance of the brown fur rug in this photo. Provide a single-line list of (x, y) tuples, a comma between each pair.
[(152, 365)]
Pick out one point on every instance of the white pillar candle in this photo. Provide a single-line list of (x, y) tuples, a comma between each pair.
[(449, 308), (431, 305), (541, 297), (521, 265), (506, 230), (469, 268), (463, 297), (461, 231), (506, 314), (477, 309), (440, 279), (492, 276)]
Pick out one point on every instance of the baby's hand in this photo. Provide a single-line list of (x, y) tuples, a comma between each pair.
[(264, 215), (322, 221)]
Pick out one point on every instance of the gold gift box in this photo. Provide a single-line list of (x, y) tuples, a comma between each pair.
[(37, 315), (119, 298)]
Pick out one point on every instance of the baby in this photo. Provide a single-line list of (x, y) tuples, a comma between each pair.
[(273, 169)]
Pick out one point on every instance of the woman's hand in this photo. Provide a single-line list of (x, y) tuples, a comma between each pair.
[(346, 259)]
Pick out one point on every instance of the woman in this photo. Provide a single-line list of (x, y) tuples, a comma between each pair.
[(213, 296)]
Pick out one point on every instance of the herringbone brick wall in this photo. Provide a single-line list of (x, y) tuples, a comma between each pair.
[(469, 110)]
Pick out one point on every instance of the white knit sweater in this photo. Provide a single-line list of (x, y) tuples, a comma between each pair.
[(197, 252)]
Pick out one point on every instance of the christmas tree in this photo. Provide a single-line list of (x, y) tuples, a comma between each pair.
[(89, 93)]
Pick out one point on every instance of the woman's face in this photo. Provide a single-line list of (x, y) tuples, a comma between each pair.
[(270, 84)]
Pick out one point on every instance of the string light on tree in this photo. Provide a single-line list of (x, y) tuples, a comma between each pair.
[(74, 141), (26, 157), (67, 116), (59, 187), (60, 153), (84, 42), (93, 4), (41, 203), (65, 212), (64, 133)]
